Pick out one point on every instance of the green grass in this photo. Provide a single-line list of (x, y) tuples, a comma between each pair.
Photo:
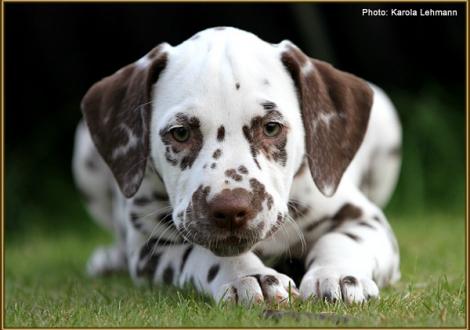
[(46, 287)]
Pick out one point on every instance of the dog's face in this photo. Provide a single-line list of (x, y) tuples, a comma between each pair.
[(221, 117), (224, 139)]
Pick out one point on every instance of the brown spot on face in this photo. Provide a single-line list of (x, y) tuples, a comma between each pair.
[(270, 202), (184, 152), (233, 175), (217, 154), (249, 137), (259, 194), (220, 133), (199, 202), (242, 169), (274, 148)]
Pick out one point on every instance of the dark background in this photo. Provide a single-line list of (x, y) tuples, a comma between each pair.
[(54, 52)]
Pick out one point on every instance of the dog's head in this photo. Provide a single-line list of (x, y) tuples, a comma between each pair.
[(227, 120)]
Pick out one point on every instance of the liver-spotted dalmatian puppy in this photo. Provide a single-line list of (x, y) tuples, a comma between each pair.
[(211, 157)]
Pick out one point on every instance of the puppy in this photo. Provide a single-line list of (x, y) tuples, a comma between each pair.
[(207, 158)]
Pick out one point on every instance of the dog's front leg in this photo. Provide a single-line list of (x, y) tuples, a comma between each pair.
[(356, 256), (244, 278)]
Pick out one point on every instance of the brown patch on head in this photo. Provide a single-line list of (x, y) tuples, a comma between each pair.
[(274, 148), (231, 173), (117, 111), (335, 109), (184, 153), (199, 204), (259, 195), (220, 133), (242, 169), (217, 154)]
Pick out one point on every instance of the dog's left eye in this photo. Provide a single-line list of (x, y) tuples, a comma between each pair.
[(272, 129), (180, 134)]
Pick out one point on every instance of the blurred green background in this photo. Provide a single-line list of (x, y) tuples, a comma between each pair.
[(54, 52)]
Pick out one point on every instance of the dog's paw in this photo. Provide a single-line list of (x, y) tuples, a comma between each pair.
[(333, 285), (105, 261), (258, 288)]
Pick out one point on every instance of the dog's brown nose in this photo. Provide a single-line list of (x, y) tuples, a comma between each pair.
[(230, 209)]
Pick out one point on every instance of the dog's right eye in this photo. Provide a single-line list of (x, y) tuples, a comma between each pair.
[(180, 134)]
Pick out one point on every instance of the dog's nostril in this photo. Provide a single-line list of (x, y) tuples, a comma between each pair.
[(241, 215), (219, 215)]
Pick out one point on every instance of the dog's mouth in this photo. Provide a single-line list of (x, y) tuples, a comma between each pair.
[(223, 244), (230, 246)]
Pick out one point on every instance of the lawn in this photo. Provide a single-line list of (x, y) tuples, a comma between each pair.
[(46, 287)]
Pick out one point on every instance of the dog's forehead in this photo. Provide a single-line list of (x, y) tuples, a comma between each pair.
[(223, 69)]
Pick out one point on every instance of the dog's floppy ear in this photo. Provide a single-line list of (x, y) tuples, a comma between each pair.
[(117, 111), (335, 109)]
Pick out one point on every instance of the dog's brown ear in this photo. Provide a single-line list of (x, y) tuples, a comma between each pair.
[(117, 111), (335, 109)]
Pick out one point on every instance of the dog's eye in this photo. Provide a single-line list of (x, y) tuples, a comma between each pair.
[(180, 134), (272, 129)]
